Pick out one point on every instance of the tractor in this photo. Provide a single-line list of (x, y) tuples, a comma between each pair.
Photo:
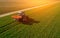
[(21, 17)]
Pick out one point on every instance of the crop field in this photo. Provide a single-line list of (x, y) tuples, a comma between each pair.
[(45, 24)]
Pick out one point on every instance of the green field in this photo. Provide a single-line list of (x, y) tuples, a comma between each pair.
[(48, 25)]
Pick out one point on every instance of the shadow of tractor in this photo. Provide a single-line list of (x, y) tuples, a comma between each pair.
[(27, 20)]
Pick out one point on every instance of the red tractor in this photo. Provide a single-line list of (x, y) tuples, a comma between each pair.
[(21, 17)]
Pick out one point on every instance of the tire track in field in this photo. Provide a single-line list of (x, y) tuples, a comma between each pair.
[(12, 29), (5, 21), (7, 27), (21, 32), (9, 30)]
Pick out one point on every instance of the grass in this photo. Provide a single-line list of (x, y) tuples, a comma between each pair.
[(47, 27)]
